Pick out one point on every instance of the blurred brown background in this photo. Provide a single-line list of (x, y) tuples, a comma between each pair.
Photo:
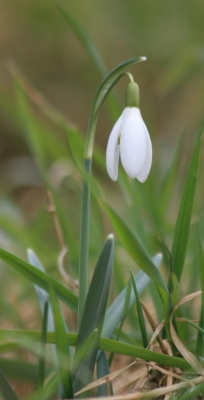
[(36, 37)]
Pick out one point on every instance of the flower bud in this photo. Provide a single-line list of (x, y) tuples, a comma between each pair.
[(132, 95)]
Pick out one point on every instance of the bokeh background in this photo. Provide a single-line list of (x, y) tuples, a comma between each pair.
[(39, 45)]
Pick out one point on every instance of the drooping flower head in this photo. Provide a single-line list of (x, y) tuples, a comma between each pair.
[(129, 140)]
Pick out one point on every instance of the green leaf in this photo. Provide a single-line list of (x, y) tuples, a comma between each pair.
[(191, 393), (85, 40), (114, 313), (5, 389), (200, 263), (181, 232), (126, 307), (43, 298), (93, 314), (39, 278), (18, 338), (62, 343), (16, 369), (103, 370), (140, 313), (41, 376), (136, 251), (92, 51)]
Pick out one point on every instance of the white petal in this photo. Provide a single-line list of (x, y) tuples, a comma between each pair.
[(133, 142), (143, 174), (112, 152)]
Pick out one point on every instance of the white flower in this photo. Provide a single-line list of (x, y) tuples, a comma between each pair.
[(129, 140)]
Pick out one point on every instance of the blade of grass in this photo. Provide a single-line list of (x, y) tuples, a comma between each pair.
[(181, 232), (41, 375), (103, 370), (43, 298), (126, 307), (93, 52), (191, 393), (39, 278), (94, 312), (200, 263), (140, 313), (5, 388), (64, 376), (114, 313), (27, 339), (137, 252)]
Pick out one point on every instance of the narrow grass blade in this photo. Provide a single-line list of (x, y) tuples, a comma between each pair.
[(169, 180), (140, 313), (5, 389), (126, 307), (20, 370), (199, 328), (181, 232), (114, 313), (43, 298), (94, 312), (137, 252), (92, 51), (103, 370), (200, 264), (64, 376), (85, 40), (191, 393), (39, 278), (18, 338), (140, 352), (42, 361)]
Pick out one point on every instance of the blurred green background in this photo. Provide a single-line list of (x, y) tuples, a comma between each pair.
[(38, 43)]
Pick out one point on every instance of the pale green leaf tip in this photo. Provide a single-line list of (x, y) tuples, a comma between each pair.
[(110, 237), (29, 251)]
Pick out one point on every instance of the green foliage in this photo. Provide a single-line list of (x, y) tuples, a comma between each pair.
[(182, 227), (93, 315), (97, 312)]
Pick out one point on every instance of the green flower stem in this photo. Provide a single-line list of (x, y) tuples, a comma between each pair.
[(105, 87)]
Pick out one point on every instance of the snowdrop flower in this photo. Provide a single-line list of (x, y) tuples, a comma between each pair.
[(129, 140)]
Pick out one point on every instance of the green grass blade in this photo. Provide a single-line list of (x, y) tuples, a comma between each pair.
[(140, 352), (136, 251), (85, 40), (114, 313), (41, 375), (16, 369), (181, 232), (103, 370), (5, 389), (93, 52), (64, 376), (18, 338), (200, 263), (140, 313), (43, 298), (199, 328), (94, 312), (39, 278), (191, 393), (126, 307)]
